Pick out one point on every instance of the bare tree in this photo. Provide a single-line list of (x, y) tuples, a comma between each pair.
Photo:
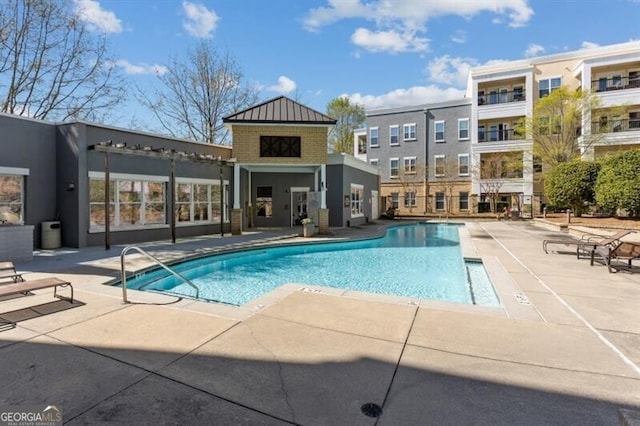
[(445, 180), (495, 170), (411, 179), (195, 95), (51, 66)]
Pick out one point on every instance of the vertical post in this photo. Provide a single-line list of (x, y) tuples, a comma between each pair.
[(221, 202), (107, 193), (172, 204), (568, 215)]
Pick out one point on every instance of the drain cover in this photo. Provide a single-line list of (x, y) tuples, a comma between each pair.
[(371, 409)]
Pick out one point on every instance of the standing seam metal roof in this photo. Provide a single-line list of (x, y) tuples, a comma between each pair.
[(280, 110)]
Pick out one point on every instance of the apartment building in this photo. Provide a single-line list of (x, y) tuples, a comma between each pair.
[(474, 154), (505, 94), (423, 154)]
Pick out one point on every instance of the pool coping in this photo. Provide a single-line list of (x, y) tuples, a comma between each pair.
[(505, 287)]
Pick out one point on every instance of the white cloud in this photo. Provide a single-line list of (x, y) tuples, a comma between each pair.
[(533, 50), (449, 70), (589, 45), (97, 18), (389, 41), (140, 69), (405, 15), (199, 21), (285, 85), (459, 37), (406, 97)]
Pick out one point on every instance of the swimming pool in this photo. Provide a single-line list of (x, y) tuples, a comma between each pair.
[(417, 261)]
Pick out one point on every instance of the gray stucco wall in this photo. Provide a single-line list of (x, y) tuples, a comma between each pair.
[(31, 144), (339, 180), (384, 152), (452, 146)]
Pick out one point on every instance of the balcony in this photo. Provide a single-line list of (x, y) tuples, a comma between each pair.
[(496, 135), (615, 126), (616, 83), (502, 97), (497, 104)]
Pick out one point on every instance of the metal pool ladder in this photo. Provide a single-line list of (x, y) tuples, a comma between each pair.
[(139, 250)]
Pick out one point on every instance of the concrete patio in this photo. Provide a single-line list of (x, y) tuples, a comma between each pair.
[(563, 349)]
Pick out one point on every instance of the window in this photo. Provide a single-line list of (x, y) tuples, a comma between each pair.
[(463, 203), (463, 164), (410, 199), (634, 78), (280, 146), (549, 85), (394, 165), (518, 94), (197, 201), (481, 97), (537, 164), (439, 131), (439, 162), (134, 201), (373, 137), (264, 201), (374, 162), (409, 132), (634, 120), (481, 134), (409, 165), (394, 200), (439, 201), (357, 196), (463, 129), (394, 135), (504, 96), (12, 194)]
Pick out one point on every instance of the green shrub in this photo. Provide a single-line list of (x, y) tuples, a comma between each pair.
[(572, 184), (618, 184)]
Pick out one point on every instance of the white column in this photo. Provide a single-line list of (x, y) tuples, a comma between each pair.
[(236, 186), (323, 186), (316, 183)]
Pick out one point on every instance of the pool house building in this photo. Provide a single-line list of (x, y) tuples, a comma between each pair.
[(57, 181)]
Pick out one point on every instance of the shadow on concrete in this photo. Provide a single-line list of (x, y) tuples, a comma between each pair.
[(8, 320), (103, 384)]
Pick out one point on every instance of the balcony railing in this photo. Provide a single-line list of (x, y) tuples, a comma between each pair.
[(614, 126), (501, 97), (362, 148), (615, 83), (499, 135)]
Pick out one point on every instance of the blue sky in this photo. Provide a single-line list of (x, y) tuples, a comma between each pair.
[(379, 53)]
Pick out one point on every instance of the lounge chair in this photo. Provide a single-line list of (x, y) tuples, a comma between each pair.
[(26, 286), (587, 243), (624, 251), (8, 270)]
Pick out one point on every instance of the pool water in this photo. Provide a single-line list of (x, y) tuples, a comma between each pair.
[(416, 261)]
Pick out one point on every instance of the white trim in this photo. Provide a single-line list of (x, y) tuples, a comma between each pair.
[(397, 127), (371, 145), (21, 171), (390, 160), (198, 180), (415, 165), (128, 176), (435, 131), (468, 164), (468, 128), (435, 165), (415, 131)]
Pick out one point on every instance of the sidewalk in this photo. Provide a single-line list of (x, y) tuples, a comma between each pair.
[(563, 349)]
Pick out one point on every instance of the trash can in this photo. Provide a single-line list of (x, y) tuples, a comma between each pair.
[(50, 237)]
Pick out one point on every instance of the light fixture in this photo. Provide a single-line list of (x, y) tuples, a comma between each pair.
[(71, 185)]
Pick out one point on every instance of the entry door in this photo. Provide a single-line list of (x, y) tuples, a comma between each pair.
[(299, 206), (375, 210)]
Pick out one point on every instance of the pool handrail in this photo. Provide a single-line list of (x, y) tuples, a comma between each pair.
[(139, 250)]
